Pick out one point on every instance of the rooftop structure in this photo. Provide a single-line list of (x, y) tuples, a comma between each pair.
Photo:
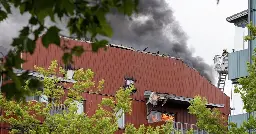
[(239, 19)]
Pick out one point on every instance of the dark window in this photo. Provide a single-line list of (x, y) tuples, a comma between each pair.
[(68, 67), (128, 83)]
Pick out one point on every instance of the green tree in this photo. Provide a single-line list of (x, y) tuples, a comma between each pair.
[(209, 120), (84, 18), (33, 117)]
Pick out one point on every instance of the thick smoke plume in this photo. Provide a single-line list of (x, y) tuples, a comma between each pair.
[(154, 27)]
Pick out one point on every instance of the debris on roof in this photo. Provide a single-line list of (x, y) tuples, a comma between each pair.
[(144, 52)]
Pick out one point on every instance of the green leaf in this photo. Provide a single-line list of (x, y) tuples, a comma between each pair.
[(42, 14), (10, 90), (68, 6), (44, 8), (3, 15), (34, 84), (51, 37), (13, 60), (33, 21), (77, 50), (24, 31), (22, 8), (99, 44), (16, 42), (38, 31), (30, 45), (67, 58)]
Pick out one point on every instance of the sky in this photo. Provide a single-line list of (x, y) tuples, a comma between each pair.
[(203, 21), (209, 33)]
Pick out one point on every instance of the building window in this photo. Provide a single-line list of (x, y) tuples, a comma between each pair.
[(156, 116), (70, 74), (80, 106), (129, 82), (32, 98), (68, 67), (120, 119), (70, 71), (43, 98)]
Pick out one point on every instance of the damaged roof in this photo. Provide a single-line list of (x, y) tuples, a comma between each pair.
[(182, 99), (159, 73), (144, 52)]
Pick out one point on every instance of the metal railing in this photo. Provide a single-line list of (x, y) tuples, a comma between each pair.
[(58, 109), (182, 128)]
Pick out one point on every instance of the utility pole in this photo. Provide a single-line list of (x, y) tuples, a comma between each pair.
[(250, 44)]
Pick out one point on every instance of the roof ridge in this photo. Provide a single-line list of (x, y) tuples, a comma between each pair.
[(154, 54)]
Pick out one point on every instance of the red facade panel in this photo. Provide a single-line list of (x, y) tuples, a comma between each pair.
[(154, 73)]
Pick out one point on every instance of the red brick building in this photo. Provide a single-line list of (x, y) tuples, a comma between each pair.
[(173, 81)]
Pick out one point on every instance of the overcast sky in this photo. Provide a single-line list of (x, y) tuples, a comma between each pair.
[(208, 31)]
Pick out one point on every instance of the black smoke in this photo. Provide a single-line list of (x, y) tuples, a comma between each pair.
[(155, 27)]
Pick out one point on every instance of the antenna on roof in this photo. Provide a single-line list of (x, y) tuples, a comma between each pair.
[(145, 49)]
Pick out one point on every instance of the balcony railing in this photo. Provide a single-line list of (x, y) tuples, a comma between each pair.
[(237, 64), (56, 108), (184, 127)]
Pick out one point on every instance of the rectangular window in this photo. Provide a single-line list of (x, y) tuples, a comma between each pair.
[(32, 98), (80, 106), (156, 116), (120, 119), (43, 98)]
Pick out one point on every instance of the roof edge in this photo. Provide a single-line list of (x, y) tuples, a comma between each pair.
[(237, 16), (144, 52)]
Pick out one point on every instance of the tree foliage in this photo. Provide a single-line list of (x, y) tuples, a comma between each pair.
[(209, 120), (32, 117), (85, 18)]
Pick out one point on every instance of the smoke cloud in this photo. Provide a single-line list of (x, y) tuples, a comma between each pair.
[(154, 27)]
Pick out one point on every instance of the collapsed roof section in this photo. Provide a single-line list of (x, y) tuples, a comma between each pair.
[(153, 98), (239, 19)]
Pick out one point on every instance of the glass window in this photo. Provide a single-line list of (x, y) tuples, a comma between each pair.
[(120, 119)]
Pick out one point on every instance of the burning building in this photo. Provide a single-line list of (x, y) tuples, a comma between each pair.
[(164, 85)]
